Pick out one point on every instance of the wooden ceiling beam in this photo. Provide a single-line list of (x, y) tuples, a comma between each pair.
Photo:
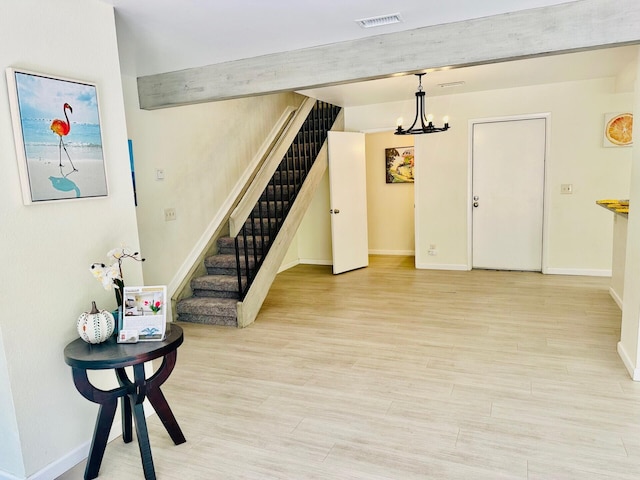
[(563, 28)]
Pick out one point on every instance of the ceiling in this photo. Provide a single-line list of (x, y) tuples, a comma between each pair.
[(157, 36)]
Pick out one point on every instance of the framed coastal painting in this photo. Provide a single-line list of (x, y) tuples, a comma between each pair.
[(399, 164), (618, 130), (56, 125)]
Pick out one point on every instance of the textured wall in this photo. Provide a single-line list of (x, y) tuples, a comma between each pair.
[(45, 282)]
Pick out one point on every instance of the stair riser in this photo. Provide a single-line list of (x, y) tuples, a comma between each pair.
[(278, 193), (230, 250), (209, 319), (215, 293), (226, 245), (226, 271), (258, 231), (288, 178), (226, 262), (272, 208)]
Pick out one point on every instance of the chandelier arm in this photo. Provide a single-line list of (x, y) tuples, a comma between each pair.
[(415, 120), (422, 117)]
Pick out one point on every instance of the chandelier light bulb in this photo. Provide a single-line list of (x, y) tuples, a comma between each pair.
[(399, 122)]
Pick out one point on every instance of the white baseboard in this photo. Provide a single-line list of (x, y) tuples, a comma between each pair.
[(577, 271), (287, 266), (315, 261), (6, 476), (441, 266), (402, 253), (616, 297), (631, 368), (64, 464)]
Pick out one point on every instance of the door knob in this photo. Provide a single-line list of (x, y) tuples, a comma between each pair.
[(334, 211), (475, 204), (476, 198)]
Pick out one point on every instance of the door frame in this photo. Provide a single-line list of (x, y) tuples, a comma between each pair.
[(546, 192)]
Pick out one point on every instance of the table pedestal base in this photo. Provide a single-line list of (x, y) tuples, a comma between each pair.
[(132, 394)]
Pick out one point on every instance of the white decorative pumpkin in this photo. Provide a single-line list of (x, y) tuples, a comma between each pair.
[(95, 326)]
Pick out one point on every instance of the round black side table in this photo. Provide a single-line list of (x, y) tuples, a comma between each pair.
[(82, 356)]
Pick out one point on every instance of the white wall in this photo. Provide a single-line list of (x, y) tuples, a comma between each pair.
[(46, 282), (204, 150), (629, 345), (313, 239), (580, 233), (390, 212)]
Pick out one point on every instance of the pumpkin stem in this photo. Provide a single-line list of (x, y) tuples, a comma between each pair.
[(94, 309)]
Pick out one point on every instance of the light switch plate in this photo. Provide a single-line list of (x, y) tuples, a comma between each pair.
[(566, 188)]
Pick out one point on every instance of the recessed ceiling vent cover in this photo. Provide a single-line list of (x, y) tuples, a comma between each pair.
[(379, 21)]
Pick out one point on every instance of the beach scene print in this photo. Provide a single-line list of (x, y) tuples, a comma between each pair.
[(61, 137)]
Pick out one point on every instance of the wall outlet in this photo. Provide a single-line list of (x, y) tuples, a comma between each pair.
[(433, 252), (169, 214), (566, 188), (159, 174)]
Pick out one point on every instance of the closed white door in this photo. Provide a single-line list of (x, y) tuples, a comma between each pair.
[(508, 194), (348, 199)]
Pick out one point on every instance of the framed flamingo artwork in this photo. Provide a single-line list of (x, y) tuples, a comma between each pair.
[(56, 125)]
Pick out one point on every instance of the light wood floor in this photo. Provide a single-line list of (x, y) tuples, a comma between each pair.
[(394, 373)]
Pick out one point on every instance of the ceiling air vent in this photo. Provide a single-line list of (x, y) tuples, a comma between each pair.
[(379, 21)]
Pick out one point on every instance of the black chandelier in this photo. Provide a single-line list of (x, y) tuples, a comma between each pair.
[(426, 122)]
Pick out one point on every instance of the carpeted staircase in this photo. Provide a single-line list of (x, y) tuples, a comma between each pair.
[(216, 295)]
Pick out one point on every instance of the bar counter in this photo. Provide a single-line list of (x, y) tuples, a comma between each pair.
[(621, 210)]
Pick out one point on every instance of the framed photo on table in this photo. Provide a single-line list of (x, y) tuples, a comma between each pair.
[(58, 137), (144, 311)]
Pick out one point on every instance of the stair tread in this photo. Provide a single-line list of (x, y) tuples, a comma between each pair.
[(231, 240), (209, 306), (225, 260), (219, 320), (215, 280), (208, 301)]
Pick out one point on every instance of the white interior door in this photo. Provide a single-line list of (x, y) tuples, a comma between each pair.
[(348, 198), (508, 194)]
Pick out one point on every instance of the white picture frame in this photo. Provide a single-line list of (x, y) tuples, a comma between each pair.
[(144, 309), (58, 137)]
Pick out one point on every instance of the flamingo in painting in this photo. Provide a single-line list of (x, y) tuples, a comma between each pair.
[(62, 129)]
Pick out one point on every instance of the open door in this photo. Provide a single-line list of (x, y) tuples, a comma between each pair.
[(348, 198)]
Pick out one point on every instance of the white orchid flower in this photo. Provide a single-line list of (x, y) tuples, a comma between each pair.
[(113, 272), (111, 276), (99, 270)]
